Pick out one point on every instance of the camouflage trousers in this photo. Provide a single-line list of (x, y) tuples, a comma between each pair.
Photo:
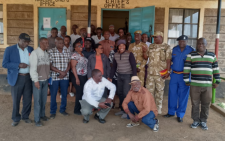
[(141, 76), (155, 84)]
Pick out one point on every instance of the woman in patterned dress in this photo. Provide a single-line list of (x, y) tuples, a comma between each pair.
[(79, 72)]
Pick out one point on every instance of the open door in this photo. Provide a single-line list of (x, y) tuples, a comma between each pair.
[(142, 19)]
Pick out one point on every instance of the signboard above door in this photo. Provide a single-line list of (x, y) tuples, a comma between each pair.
[(117, 4), (50, 2)]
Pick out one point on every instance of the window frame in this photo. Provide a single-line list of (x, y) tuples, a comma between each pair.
[(183, 23)]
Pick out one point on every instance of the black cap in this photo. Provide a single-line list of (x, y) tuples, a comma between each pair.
[(88, 39), (182, 37), (25, 36)]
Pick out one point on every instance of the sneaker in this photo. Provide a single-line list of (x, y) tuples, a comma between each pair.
[(156, 126), (124, 116), (195, 124), (132, 124), (44, 118), (204, 126), (27, 120), (52, 116), (119, 113), (72, 94), (15, 123), (38, 124), (60, 96), (65, 113)]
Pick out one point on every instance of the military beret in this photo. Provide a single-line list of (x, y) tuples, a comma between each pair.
[(182, 37)]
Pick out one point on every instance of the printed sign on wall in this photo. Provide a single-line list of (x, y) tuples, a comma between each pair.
[(117, 4), (50, 2)]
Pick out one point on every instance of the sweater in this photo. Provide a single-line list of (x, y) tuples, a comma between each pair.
[(40, 65), (124, 64), (201, 68)]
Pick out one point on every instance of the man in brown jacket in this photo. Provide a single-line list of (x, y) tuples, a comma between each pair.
[(140, 101)]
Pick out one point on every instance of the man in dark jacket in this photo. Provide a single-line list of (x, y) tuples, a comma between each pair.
[(16, 60)]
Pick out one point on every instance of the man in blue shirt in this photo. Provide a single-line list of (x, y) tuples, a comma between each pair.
[(178, 91), (16, 61)]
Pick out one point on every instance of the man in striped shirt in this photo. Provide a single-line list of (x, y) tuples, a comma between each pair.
[(202, 64)]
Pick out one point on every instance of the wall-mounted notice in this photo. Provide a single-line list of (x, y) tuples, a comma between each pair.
[(46, 22)]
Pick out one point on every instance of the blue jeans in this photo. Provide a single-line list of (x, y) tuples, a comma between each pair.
[(149, 119), (54, 89), (40, 98)]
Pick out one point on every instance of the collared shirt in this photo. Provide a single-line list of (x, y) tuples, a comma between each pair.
[(113, 38), (158, 54), (51, 42), (82, 62), (107, 46), (74, 38), (96, 39), (70, 49), (87, 53), (178, 57), (93, 92), (143, 100), (136, 49), (60, 61), (24, 58)]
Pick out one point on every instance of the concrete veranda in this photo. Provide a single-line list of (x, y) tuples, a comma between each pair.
[(71, 128)]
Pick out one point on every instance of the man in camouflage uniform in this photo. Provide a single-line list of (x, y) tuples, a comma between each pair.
[(139, 49), (159, 54)]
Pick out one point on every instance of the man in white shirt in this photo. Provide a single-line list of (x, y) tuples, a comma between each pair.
[(97, 38), (113, 36), (92, 98), (74, 36)]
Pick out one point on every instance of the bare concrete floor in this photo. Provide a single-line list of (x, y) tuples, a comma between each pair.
[(71, 128)]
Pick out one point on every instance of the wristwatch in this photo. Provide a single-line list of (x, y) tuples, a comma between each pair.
[(169, 72)]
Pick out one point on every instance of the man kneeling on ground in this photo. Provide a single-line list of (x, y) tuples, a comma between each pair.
[(92, 98), (140, 101)]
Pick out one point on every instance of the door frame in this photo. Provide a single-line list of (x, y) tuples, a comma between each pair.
[(107, 9)]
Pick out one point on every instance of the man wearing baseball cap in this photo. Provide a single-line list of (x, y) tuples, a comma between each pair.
[(159, 54), (16, 60), (140, 101), (178, 91)]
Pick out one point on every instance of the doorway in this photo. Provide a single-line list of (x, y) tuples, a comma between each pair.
[(130, 19), (120, 19), (49, 18)]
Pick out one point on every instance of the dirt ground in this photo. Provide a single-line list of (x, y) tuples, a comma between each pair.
[(71, 128)]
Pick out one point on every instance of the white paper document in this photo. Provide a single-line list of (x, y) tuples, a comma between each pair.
[(46, 22)]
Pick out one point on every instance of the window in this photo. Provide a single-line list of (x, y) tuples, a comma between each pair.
[(1, 25), (183, 22)]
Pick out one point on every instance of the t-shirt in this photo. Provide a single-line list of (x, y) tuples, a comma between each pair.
[(99, 64)]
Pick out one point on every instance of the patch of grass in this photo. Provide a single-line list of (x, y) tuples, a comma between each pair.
[(222, 105)]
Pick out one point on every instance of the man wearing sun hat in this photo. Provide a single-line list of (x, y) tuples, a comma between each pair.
[(159, 54), (140, 101), (178, 91), (16, 60), (139, 49)]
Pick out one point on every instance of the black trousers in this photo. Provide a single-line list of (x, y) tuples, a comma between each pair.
[(123, 86), (79, 91), (23, 87)]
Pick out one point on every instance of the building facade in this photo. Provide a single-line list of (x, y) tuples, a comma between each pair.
[(195, 18)]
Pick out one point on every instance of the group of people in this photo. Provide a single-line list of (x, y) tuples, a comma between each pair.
[(101, 66)]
